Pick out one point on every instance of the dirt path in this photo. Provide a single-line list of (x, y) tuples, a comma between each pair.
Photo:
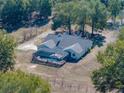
[(71, 78), (30, 45)]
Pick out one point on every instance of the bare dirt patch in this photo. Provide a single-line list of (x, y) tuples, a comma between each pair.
[(24, 34), (72, 77)]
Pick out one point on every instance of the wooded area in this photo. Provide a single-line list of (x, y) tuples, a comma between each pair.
[(18, 13), (111, 75), (20, 82)]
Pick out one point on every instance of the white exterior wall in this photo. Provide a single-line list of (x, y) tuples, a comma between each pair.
[(75, 56)]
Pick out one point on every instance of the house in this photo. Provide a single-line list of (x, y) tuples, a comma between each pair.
[(60, 48)]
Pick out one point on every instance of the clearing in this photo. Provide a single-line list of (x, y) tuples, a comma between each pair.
[(72, 77)]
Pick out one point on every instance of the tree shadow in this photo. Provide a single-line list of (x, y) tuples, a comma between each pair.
[(97, 39)]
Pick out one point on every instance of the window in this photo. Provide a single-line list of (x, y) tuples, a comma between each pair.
[(73, 55)]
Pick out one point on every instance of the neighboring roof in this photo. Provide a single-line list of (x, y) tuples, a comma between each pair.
[(76, 48)]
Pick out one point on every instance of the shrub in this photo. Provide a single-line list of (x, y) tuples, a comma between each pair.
[(7, 46), (121, 35), (19, 82), (110, 76)]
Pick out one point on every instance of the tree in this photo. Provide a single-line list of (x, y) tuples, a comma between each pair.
[(114, 7), (65, 12), (45, 9), (82, 13), (57, 22), (54, 2), (98, 15), (7, 46), (13, 13), (105, 2), (78, 12), (20, 82), (2, 3), (121, 15), (1, 6), (111, 76), (121, 35), (41, 6), (122, 4)]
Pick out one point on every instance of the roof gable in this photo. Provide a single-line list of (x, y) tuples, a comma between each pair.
[(67, 42), (75, 47), (49, 44)]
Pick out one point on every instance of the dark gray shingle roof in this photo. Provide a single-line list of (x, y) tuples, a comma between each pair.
[(47, 52), (75, 47), (75, 43), (68, 40)]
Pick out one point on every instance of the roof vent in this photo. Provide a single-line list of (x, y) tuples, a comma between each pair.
[(59, 38)]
